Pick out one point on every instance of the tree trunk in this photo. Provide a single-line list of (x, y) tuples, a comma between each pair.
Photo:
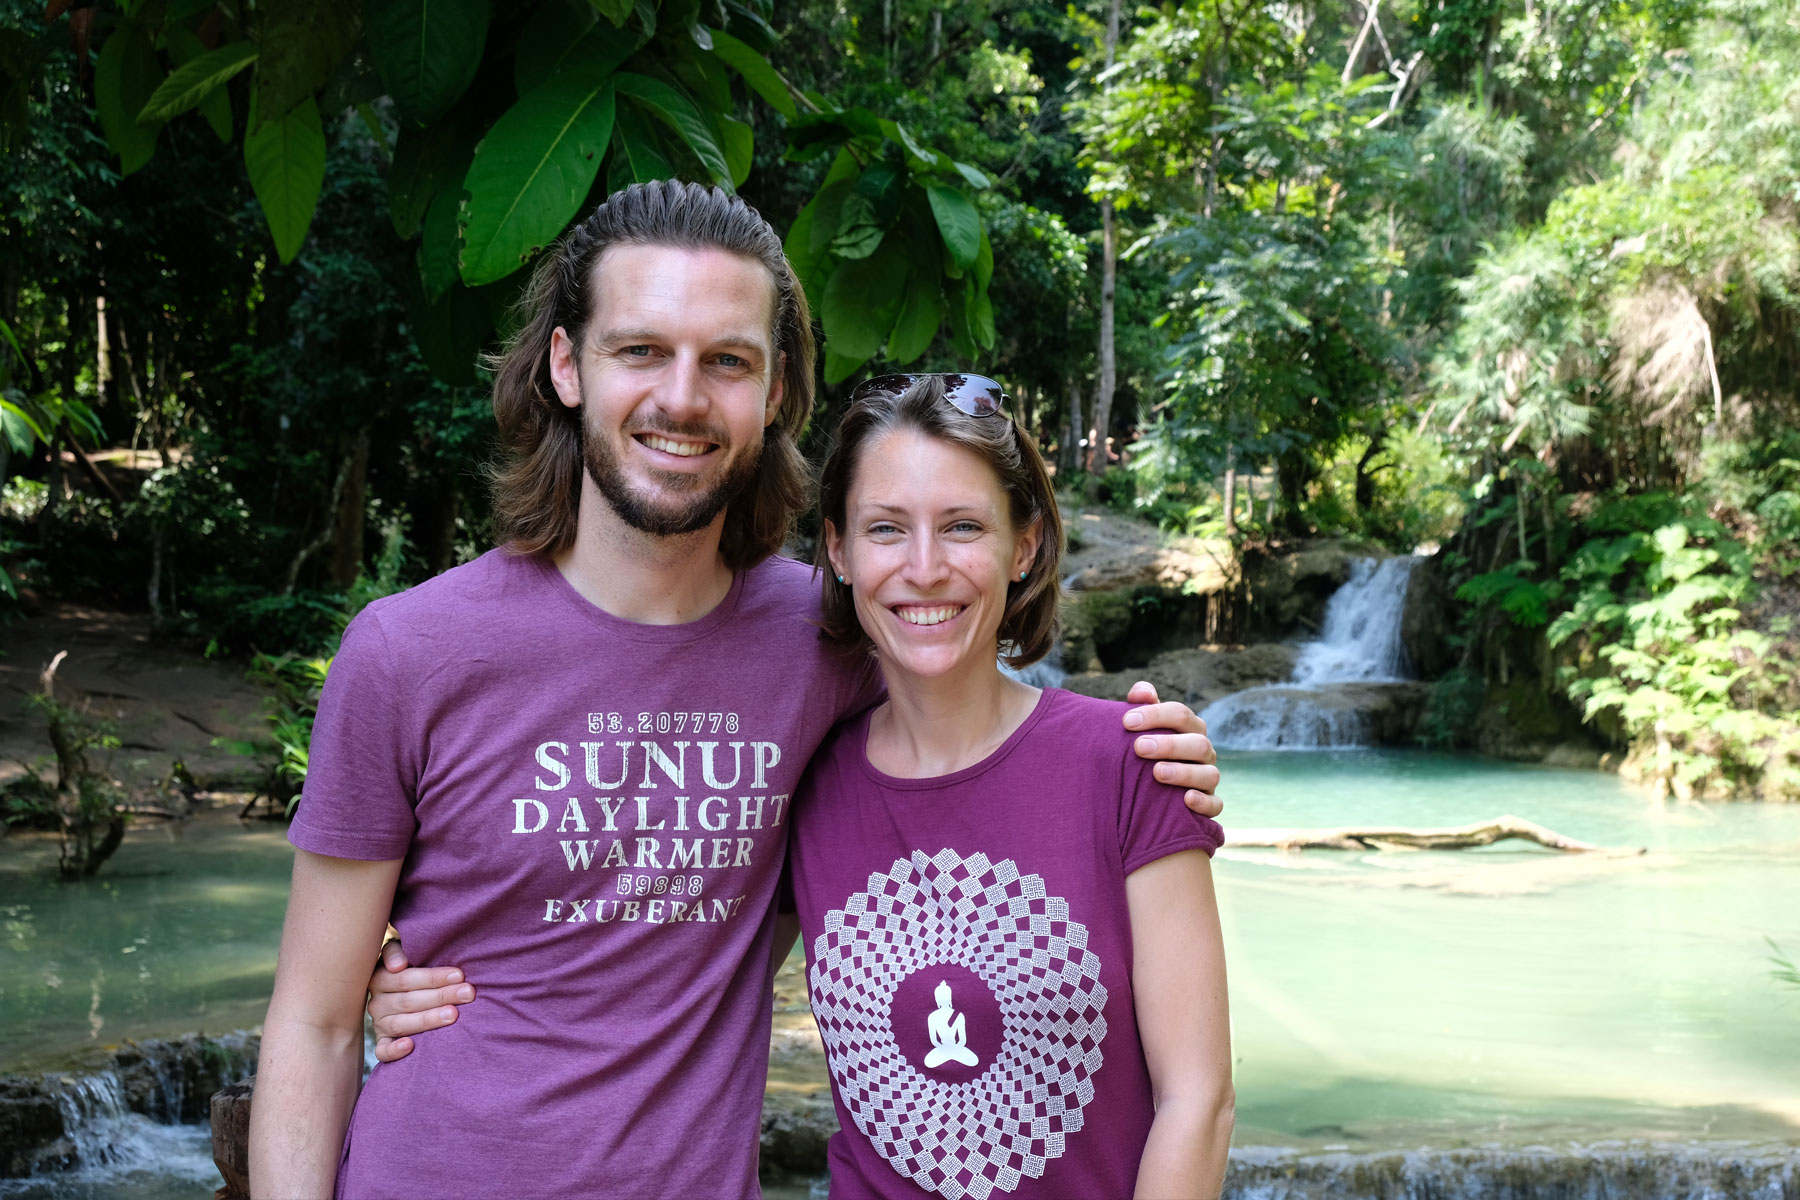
[(1071, 455), (346, 560), (1231, 528), (1109, 275)]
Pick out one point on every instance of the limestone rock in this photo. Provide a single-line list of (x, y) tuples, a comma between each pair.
[(31, 1129), (1289, 590), (1424, 622), (1196, 677), (795, 1128)]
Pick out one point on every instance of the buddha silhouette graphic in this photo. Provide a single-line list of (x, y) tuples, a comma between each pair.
[(949, 1033)]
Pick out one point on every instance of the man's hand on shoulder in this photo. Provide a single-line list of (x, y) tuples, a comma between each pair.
[(1174, 738)]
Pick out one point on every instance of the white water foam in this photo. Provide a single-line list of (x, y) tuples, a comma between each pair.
[(1359, 643)]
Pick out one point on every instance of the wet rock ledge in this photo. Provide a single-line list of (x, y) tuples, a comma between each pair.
[(170, 1081)]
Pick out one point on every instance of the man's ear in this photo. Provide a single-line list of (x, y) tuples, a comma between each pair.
[(777, 391), (565, 371)]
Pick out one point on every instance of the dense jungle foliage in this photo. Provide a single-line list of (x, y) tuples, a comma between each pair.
[(1514, 279)]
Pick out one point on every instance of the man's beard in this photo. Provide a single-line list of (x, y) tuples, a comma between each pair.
[(669, 519)]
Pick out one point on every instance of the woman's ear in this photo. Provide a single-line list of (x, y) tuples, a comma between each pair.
[(834, 549), (1026, 548)]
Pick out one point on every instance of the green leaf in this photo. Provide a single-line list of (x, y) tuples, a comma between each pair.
[(619, 12), (809, 259), (976, 179), (195, 81), (303, 42), (958, 221), (897, 133), (555, 32), (839, 367), (862, 301), (125, 77), (427, 51), (920, 315), (535, 167), (644, 157), (451, 332), (20, 426), (756, 72), (286, 161), (678, 112), (424, 161), (859, 229), (438, 247), (740, 148)]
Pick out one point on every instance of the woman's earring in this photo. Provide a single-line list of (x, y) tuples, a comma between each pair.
[(1022, 575), (840, 579)]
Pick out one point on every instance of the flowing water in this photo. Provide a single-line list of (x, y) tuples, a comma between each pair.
[(1497, 997), (1358, 643)]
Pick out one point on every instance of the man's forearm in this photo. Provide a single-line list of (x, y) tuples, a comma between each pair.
[(306, 1084), (1186, 1152)]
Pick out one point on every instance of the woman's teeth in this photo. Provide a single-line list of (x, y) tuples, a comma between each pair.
[(680, 449), (928, 616)]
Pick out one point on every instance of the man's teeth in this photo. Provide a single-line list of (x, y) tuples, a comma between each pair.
[(928, 616), (682, 449)]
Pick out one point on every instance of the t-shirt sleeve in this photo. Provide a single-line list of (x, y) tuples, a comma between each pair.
[(1154, 820), (361, 781)]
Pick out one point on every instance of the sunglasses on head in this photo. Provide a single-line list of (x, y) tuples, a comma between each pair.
[(975, 395)]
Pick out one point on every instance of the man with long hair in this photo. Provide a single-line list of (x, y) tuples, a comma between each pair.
[(566, 766)]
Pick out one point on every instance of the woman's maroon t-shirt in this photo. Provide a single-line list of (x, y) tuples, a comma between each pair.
[(969, 952)]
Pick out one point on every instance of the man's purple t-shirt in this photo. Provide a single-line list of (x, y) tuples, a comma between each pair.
[(593, 814), (969, 949)]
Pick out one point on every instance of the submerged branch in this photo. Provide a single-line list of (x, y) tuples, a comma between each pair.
[(1462, 837)]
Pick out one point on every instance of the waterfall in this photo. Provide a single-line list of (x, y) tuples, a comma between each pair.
[(1358, 643), (133, 1120)]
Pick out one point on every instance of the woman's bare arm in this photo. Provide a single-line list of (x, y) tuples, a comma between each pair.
[(311, 1060), (1178, 977)]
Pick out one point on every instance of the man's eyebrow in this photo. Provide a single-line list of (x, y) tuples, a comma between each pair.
[(633, 336)]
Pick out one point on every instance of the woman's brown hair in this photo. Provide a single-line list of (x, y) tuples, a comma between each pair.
[(537, 486), (1028, 626)]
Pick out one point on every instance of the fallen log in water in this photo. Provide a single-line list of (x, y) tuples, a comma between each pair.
[(1481, 833)]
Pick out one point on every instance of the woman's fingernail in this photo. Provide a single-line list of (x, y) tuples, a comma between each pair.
[(1146, 744), (455, 976), (465, 992), (448, 1014), (1134, 720)]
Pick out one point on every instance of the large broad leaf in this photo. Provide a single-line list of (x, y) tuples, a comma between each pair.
[(810, 260), (427, 51), (195, 80), (439, 243), (125, 78), (619, 11), (756, 72), (740, 148), (643, 158), (920, 314), (958, 221), (679, 113), (302, 42), (451, 332), (184, 47), (424, 161), (839, 367), (535, 167), (862, 300), (859, 228), (557, 33), (286, 160)]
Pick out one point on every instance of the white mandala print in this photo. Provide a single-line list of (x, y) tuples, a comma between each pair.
[(983, 1135)]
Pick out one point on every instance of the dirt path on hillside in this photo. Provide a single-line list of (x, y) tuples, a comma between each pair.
[(163, 702)]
